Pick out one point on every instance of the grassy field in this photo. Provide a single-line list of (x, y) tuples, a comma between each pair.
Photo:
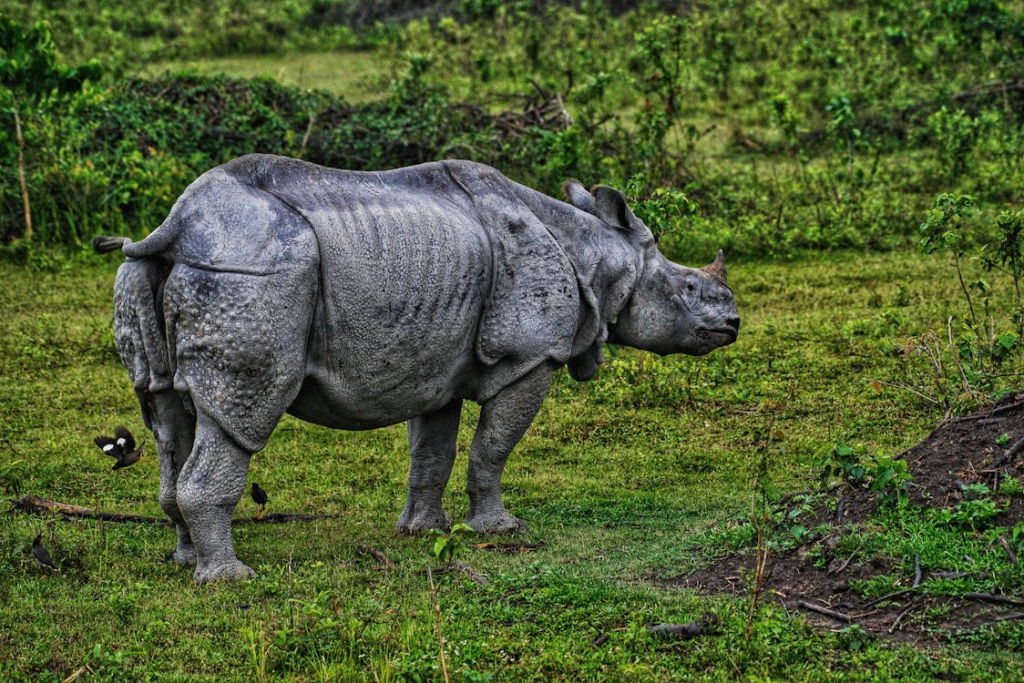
[(799, 129), (627, 480), (357, 76)]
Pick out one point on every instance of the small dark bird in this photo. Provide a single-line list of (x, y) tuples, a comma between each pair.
[(259, 496), (43, 558), (121, 447)]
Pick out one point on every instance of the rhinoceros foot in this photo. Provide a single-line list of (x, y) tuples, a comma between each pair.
[(422, 522), (232, 570), (501, 523), (184, 554)]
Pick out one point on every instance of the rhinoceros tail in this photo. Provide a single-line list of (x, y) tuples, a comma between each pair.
[(104, 244)]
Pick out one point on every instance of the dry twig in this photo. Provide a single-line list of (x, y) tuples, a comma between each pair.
[(831, 614), (845, 564), (377, 554), (68, 511), (703, 626)]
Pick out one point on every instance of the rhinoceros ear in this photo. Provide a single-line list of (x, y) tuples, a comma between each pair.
[(577, 195), (604, 292), (611, 207)]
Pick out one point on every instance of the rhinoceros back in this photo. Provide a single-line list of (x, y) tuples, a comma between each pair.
[(355, 299)]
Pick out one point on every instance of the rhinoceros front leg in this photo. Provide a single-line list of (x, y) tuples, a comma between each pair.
[(174, 430), (432, 444), (209, 487), (503, 421)]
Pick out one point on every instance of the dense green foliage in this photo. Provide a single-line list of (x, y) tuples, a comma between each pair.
[(787, 125)]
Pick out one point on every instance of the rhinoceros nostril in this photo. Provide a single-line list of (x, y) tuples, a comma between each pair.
[(733, 322)]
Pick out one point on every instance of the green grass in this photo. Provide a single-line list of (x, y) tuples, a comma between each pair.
[(620, 478), (357, 76)]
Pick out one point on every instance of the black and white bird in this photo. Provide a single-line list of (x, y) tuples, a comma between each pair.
[(259, 496), (121, 447), (42, 556)]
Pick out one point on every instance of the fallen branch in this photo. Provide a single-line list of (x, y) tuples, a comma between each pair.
[(35, 504), (703, 626), (832, 614), (995, 411), (377, 554), (890, 596), (278, 517), (460, 567), (1008, 548), (845, 564), (509, 548), (471, 573), (994, 599), (76, 675), (899, 617), (1010, 452)]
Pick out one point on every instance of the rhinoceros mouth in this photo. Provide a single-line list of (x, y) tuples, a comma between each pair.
[(729, 333)]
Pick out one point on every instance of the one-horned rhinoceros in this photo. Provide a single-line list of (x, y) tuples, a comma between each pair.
[(357, 300)]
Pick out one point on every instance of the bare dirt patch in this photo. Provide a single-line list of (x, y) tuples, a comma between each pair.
[(955, 455)]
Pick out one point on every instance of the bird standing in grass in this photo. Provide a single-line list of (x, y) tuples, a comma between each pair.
[(121, 447), (42, 556), (259, 496)]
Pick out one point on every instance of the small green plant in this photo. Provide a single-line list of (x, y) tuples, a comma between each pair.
[(1011, 486), (943, 229), (11, 476), (976, 511), (1003, 440), (446, 547), (1017, 537), (1007, 256), (843, 462), (890, 479), (854, 638)]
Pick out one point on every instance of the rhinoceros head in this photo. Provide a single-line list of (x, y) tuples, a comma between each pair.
[(672, 308)]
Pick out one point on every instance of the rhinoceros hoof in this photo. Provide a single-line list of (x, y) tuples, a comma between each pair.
[(225, 571), (423, 523), (497, 525), (184, 554)]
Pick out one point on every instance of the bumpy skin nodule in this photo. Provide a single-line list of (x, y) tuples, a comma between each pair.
[(358, 300)]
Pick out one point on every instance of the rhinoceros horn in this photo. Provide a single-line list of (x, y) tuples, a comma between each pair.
[(717, 267)]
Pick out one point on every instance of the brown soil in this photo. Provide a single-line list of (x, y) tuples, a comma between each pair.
[(959, 452)]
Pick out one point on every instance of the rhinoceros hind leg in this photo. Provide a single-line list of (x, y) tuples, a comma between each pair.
[(209, 487), (503, 421), (174, 430), (432, 443)]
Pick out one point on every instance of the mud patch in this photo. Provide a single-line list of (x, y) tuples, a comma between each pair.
[(955, 455)]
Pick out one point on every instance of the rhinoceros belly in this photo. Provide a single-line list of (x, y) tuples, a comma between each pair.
[(402, 290)]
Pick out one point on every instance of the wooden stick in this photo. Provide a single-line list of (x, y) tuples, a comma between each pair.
[(832, 614), (990, 413), (994, 599), (1010, 452), (682, 631), (37, 504), (471, 573), (890, 596), (899, 617), (377, 554), (844, 565), (1008, 548)]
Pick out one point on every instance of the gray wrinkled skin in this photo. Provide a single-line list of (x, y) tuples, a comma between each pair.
[(358, 300)]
